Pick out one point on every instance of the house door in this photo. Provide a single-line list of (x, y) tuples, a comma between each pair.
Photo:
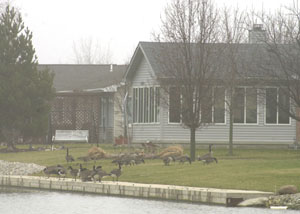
[(106, 119)]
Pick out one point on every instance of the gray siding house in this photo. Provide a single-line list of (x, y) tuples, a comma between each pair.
[(87, 98), (152, 120)]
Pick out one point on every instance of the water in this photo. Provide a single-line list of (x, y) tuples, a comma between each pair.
[(25, 201)]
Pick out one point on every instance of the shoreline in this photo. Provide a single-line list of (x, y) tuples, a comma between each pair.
[(212, 196)]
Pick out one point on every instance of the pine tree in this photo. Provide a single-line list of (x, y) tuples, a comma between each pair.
[(25, 92)]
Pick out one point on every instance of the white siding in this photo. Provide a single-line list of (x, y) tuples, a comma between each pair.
[(143, 74), (242, 134), (175, 133)]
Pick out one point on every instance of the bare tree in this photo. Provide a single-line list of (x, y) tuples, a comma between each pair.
[(233, 34), (189, 28), (87, 51), (283, 48)]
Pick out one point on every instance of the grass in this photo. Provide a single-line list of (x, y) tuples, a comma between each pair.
[(247, 169)]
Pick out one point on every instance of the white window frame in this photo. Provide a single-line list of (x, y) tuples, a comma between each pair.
[(212, 111), (156, 112), (277, 112), (245, 107)]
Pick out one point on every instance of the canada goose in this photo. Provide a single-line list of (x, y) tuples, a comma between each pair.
[(69, 158), (99, 173), (129, 161), (81, 169), (54, 170), (61, 172), (117, 161), (184, 158), (139, 161), (73, 172), (98, 167), (208, 158), (85, 174), (116, 173), (84, 158), (168, 159)]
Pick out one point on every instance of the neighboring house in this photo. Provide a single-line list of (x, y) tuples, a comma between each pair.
[(257, 123), (87, 99)]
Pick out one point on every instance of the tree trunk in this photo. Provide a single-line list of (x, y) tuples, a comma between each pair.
[(230, 151), (193, 143)]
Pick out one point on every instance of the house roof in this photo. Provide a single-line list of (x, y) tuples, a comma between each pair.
[(84, 77), (251, 57)]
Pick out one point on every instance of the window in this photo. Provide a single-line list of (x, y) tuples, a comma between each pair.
[(211, 112), (106, 111), (251, 105), (276, 101), (245, 105), (174, 105), (219, 105), (145, 104), (141, 105), (284, 103), (239, 105), (207, 109)]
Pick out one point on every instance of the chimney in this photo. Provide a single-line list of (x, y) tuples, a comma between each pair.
[(257, 34)]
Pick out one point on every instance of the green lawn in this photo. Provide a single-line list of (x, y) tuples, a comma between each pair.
[(248, 169)]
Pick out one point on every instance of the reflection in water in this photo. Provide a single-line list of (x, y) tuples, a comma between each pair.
[(27, 201)]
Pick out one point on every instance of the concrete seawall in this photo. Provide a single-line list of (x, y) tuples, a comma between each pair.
[(154, 191)]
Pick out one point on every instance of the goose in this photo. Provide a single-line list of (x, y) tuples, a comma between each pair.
[(81, 169), (84, 158), (54, 170), (116, 173), (99, 173), (129, 161), (168, 159), (208, 158), (207, 155), (73, 172), (184, 158), (61, 172), (139, 161), (69, 158), (85, 174)]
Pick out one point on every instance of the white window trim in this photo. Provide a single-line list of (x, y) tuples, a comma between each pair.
[(277, 112), (212, 112), (154, 103), (245, 108)]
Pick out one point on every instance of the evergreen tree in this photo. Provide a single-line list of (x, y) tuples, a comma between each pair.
[(25, 92)]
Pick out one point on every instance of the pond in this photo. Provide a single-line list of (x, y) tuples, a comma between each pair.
[(27, 201)]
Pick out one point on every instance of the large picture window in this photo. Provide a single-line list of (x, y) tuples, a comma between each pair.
[(276, 104), (219, 105), (174, 105), (145, 105), (245, 105), (211, 112), (214, 112)]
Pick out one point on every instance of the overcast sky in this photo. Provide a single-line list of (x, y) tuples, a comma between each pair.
[(117, 24)]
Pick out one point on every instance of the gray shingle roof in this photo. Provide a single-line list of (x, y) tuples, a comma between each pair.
[(251, 57), (78, 77)]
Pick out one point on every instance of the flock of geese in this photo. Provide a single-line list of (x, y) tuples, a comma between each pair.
[(97, 173), (206, 158)]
